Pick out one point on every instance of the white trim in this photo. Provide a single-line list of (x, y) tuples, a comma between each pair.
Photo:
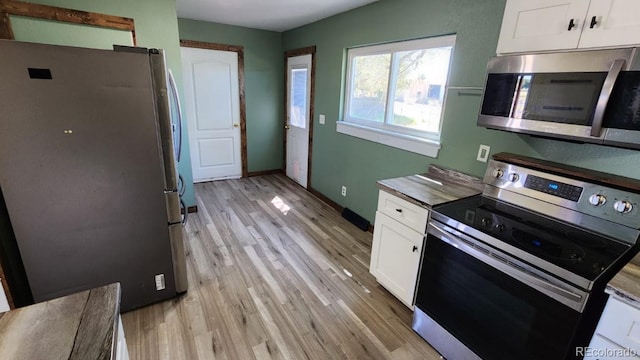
[(401, 141), (385, 48), (397, 133)]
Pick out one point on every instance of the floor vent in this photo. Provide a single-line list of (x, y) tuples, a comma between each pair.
[(355, 219)]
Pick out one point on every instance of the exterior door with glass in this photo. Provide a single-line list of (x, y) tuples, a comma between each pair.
[(299, 69)]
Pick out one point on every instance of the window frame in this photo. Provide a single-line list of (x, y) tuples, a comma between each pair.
[(424, 142)]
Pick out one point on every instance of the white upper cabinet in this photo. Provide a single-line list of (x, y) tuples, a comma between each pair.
[(615, 23), (542, 25)]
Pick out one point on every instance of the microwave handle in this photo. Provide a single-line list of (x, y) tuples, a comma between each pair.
[(605, 94)]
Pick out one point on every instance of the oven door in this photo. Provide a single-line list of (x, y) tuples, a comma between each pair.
[(464, 289)]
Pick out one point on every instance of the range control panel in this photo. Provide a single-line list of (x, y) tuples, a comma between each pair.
[(555, 188), (598, 200)]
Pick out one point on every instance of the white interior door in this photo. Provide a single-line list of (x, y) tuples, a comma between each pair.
[(212, 104), (298, 117)]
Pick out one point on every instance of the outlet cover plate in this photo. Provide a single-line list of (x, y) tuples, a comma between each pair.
[(483, 153)]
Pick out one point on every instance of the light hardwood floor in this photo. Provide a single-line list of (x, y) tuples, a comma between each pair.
[(274, 273)]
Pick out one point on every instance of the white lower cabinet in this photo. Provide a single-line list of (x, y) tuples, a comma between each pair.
[(395, 257), (122, 352), (618, 333)]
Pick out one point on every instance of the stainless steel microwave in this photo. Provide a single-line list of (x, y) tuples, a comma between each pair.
[(585, 96)]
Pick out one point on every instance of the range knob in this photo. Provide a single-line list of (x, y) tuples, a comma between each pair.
[(497, 173), (500, 227), (486, 222), (597, 199), (513, 177), (623, 206)]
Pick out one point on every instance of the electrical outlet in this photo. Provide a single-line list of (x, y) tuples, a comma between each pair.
[(483, 153), (160, 285), (344, 190), (321, 119)]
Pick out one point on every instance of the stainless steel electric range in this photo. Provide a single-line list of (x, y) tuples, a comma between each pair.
[(519, 271)]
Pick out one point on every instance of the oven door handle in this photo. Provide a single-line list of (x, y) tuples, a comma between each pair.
[(605, 94), (500, 262)]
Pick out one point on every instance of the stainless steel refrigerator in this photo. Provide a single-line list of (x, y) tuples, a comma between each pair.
[(87, 173)]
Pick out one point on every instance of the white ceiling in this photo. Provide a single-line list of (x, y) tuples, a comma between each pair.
[(275, 15)]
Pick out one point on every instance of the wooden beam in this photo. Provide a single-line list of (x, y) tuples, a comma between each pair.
[(38, 11), (209, 46), (5, 26)]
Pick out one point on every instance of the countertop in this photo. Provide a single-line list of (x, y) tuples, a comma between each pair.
[(437, 186), (626, 284), (78, 326)]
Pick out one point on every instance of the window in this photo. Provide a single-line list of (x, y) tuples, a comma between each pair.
[(395, 93)]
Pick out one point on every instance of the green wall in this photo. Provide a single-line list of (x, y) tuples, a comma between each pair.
[(156, 26), (343, 160), (264, 73)]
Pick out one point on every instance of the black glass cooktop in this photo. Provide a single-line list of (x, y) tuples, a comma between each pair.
[(578, 251)]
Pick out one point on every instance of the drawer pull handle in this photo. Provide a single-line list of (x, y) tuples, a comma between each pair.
[(415, 248), (593, 23), (399, 210), (572, 24)]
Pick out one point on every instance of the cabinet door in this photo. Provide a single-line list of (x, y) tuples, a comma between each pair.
[(541, 25), (616, 23), (395, 257)]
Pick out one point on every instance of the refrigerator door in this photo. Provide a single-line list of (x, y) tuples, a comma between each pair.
[(81, 171)]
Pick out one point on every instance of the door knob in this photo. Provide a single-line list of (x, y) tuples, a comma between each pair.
[(286, 127), (236, 125)]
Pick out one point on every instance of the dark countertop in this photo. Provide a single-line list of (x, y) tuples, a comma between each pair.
[(78, 326), (437, 186), (626, 284)]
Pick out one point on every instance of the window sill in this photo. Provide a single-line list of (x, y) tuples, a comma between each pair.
[(405, 142)]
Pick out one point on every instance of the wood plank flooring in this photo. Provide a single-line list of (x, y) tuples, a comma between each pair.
[(274, 273)]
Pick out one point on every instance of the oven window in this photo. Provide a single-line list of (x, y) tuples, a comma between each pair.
[(493, 314), (568, 98)]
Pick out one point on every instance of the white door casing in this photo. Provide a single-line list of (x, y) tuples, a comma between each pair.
[(298, 117), (212, 106)]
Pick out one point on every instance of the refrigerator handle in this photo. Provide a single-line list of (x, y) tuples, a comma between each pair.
[(186, 212), (163, 119), (178, 126)]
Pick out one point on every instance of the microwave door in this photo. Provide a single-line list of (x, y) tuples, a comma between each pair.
[(558, 105), (622, 117)]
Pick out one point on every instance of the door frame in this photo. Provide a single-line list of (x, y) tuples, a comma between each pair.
[(310, 50), (243, 108)]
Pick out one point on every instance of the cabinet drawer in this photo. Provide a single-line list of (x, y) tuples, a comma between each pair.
[(408, 214), (620, 323), (602, 349)]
